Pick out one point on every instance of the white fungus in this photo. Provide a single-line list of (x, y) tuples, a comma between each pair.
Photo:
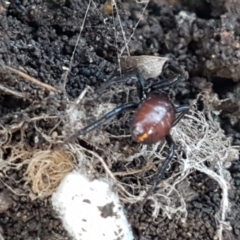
[(90, 209)]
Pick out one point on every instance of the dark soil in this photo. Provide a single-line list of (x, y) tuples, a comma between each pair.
[(39, 37)]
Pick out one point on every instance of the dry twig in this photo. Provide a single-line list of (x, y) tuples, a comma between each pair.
[(32, 79), (12, 92)]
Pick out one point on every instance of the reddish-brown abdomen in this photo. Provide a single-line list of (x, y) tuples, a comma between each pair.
[(153, 119)]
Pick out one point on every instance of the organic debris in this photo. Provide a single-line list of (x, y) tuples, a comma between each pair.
[(46, 169)]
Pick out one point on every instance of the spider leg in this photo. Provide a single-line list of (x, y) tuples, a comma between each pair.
[(165, 83), (165, 165), (127, 77), (182, 110), (141, 85), (116, 78), (96, 124)]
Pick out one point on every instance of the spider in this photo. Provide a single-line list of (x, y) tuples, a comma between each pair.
[(154, 117)]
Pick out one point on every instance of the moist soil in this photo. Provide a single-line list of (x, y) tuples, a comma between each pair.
[(39, 37)]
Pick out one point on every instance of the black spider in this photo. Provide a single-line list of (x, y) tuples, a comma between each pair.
[(154, 117)]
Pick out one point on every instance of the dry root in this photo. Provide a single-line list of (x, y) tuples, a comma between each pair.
[(46, 169), (42, 170)]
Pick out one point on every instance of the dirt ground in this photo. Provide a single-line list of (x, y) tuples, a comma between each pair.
[(38, 37)]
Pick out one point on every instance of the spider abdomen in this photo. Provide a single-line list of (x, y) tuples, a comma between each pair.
[(153, 119)]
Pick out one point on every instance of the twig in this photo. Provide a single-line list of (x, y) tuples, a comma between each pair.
[(75, 48), (32, 79), (11, 92)]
